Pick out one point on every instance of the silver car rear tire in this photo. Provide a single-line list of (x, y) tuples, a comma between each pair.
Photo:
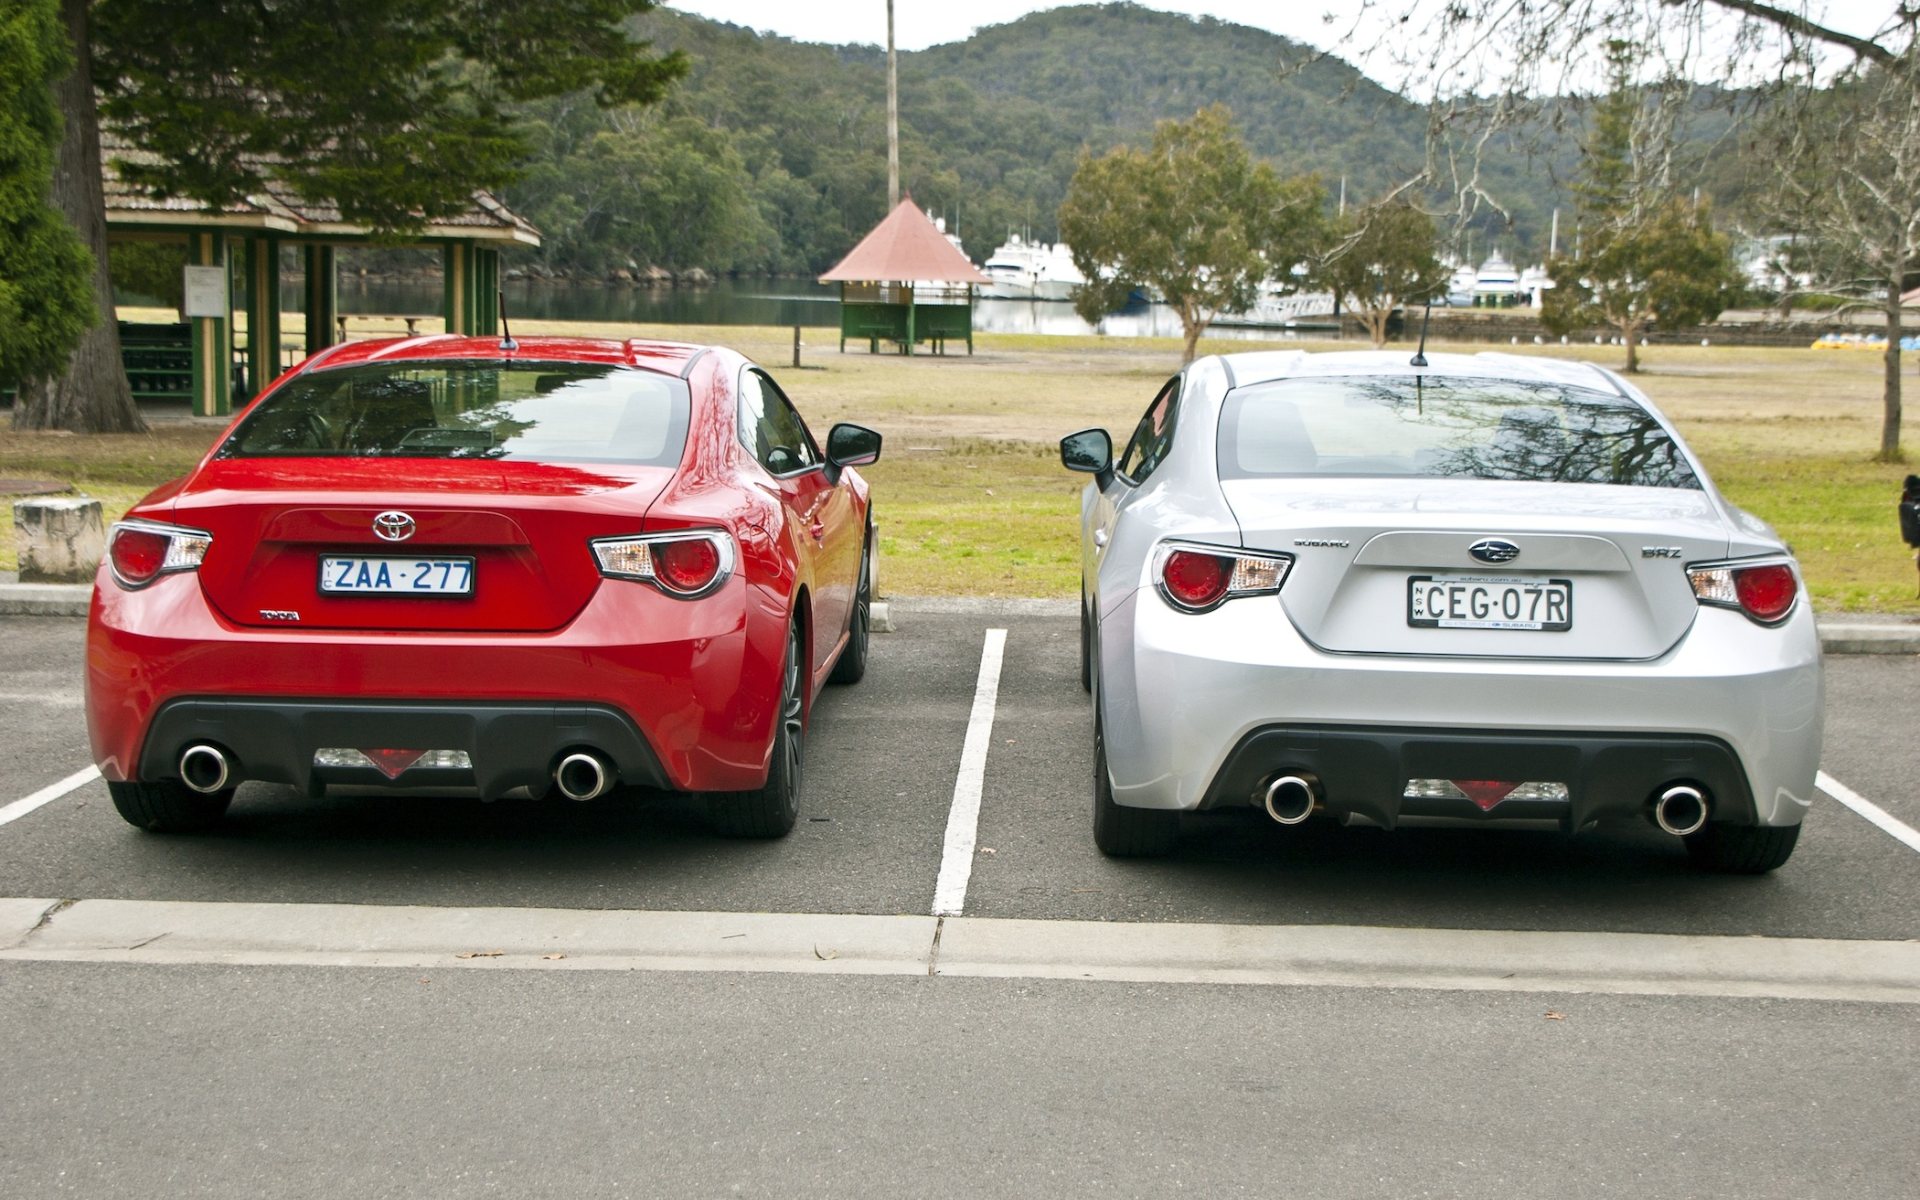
[(1122, 832)]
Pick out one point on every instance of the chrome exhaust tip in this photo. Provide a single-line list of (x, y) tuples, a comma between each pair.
[(204, 768), (1680, 810), (583, 776), (1291, 799)]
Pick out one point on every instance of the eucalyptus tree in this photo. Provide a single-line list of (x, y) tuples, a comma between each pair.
[(1193, 219), (1646, 253), (1382, 258), (395, 112)]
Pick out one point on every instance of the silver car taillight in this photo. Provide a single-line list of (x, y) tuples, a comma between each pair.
[(1763, 589), (686, 564), (1197, 578), (139, 552)]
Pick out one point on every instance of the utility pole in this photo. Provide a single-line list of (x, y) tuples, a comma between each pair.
[(1553, 238), (893, 118)]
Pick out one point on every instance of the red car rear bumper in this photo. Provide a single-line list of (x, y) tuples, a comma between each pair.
[(698, 679)]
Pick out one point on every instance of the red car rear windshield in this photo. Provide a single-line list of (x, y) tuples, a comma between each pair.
[(527, 411), (1438, 427)]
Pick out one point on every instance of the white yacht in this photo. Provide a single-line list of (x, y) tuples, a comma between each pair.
[(1497, 284), (1024, 270)]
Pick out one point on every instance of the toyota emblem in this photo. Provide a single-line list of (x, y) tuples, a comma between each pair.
[(393, 527), (1494, 550)]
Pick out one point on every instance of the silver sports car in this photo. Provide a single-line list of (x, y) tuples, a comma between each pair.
[(1483, 589)]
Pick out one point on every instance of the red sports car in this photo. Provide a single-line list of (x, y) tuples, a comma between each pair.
[(559, 564)]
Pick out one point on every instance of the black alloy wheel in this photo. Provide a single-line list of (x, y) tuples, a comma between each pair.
[(852, 666)]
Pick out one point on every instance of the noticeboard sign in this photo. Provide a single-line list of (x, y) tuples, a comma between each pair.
[(206, 293)]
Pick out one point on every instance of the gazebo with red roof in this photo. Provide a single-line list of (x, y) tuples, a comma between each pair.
[(906, 282)]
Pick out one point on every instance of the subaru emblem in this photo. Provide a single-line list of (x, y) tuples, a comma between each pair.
[(398, 527), (1494, 550)]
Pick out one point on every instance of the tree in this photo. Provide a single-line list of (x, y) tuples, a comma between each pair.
[(1536, 47), (1646, 254), (1856, 197), (1668, 267), (396, 112), (1192, 218), (1382, 258), (44, 302)]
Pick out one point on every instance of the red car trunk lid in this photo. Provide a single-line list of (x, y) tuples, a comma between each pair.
[(524, 527)]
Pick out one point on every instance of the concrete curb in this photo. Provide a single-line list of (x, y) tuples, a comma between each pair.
[(1837, 635), (44, 599), (150, 932)]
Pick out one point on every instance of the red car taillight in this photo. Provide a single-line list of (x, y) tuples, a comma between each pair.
[(1199, 579), (139, 552), (1764, 590), (684, 564)]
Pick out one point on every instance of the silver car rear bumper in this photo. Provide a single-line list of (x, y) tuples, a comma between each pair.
[(1181, 693)]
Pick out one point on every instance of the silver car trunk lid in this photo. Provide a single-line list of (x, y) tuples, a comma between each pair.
[(1614, 556)]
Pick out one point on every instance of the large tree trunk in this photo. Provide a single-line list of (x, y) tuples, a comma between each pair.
[(1890, 413), (92, 395), (1630, 334)]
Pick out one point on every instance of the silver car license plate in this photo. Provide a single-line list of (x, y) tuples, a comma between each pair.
[(396, 576), (1489, 602)]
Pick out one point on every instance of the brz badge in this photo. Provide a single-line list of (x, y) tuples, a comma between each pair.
[(278, 614), (1494, 550), (1662, 552), (393, 526)]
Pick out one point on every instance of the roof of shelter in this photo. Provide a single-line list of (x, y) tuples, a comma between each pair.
[(905, 246), (279, 208)]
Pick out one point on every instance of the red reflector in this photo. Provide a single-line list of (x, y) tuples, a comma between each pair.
[(1765, 592), (686, 566), (138, 554), (1485, 792), (393, 762), (1196, 580)]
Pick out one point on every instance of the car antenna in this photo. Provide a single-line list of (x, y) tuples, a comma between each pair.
[(1420, 356), (507, 344)]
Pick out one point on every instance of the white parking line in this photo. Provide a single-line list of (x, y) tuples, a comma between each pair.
[(47, 795), (963, 819), (1894, 826)]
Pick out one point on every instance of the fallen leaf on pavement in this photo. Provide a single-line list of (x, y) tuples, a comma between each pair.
[(482, 954), (825, 955), (553, 957), (1556, 1016)]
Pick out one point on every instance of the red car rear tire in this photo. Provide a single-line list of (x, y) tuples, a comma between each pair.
[(772, 810), (169, 806)]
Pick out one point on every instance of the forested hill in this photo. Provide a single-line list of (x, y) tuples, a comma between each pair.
[(771, 155)]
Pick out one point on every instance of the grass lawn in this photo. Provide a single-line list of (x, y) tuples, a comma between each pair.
[(971, 499)]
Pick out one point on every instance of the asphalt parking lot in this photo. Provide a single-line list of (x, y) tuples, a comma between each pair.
[(882, 761), (882, 765), (230, 1072)]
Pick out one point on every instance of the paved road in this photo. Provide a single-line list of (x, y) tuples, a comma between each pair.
[(274, 1080)]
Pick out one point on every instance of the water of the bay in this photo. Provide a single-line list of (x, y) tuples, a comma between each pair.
[(780, 302)]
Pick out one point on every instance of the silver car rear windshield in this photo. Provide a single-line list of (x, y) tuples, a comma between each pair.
[(525, 411), (1446, 429)]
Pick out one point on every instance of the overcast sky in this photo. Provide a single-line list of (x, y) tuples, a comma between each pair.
[(922, 23)]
